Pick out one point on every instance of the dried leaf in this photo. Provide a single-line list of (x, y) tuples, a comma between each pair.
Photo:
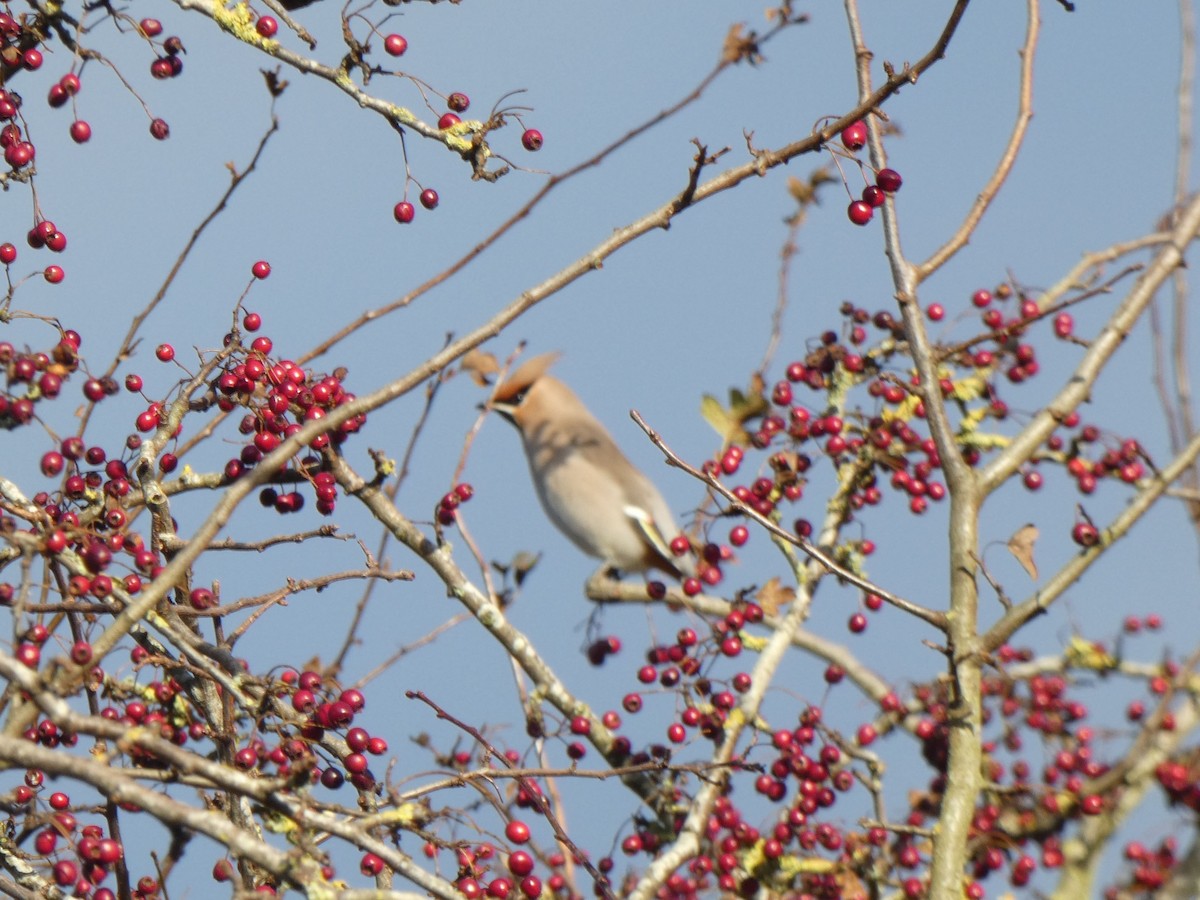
[(522, 565), (1084, 654), (739, 46), (728, 421), (1021, 546), (774, 595), (479, 364), (721, 419), (275, 85)]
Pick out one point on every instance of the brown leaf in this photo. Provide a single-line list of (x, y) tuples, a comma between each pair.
[(774, 595), (275, 85), (479, 364), (735, 46), (1021, 546)]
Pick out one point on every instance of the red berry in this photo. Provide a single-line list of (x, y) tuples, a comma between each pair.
[(448, 120), (429, 198), (517, 831), (160, 130), (165, 352), (81, 131), (19, 154), (531, 140), (31, 59), (8, 253), (266, 26), (52, 463), (261, 269), (371, 865), (458, 102), (150, 27), (395, 45), (936, 312), (860, 213), (54, 274), (404, 212), (65, 873), (873, 196), (1085, 535), (1064, 324), (889, 180), (854, 136)]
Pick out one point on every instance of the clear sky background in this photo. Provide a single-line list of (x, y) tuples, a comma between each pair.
[(676, 315)]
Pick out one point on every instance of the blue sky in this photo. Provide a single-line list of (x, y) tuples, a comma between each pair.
[(676, 315)]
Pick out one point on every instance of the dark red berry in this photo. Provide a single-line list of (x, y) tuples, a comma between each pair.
[(531, 140), (854, 136), (860, 213), (404, 212), (889, 180)]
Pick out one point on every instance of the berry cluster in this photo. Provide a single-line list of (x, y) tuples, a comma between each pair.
[(279, 397), (874, 195)]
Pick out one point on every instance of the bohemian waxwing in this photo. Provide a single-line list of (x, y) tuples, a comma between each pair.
[(590, 491)]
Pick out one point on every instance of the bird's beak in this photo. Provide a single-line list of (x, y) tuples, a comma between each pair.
[(505, 410)]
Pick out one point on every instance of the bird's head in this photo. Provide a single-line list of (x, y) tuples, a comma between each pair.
[(519, 397)]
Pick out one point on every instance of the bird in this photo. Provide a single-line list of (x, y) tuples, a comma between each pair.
[(589, 489)]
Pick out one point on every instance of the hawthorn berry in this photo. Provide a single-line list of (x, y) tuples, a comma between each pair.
[(371, 865), (860, 213), (165, 352), (160, 130), (854, 136), (266, 26), (429, 198), (448, 120), (81, 131), (873, 196), (531, 140), (458, 102), (1085, 534), (150, 27), (8, 254), (404, 212), (1064, 324), (395, 45), (889, 180), (261, 269), (54, 274)]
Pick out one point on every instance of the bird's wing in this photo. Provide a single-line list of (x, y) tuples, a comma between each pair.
[(650, 530)]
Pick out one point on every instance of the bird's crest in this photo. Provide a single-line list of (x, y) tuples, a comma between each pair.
[(523, 378)]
